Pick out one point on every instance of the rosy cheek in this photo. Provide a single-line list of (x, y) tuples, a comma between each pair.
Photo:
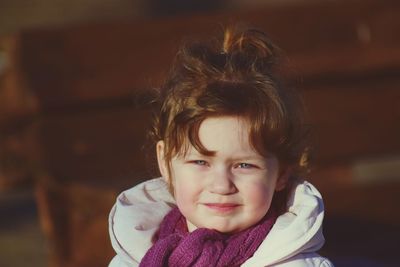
[(183, 197), (259, 197)]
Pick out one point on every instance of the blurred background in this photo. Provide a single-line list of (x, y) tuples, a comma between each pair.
[(74, 93)]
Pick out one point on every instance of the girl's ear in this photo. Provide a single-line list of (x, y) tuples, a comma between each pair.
[(162, 164), (283, 179)]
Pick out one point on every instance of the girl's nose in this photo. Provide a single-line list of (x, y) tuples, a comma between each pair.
[(221, 182)]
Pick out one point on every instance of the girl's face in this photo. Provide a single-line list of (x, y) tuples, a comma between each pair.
[(228, 191)]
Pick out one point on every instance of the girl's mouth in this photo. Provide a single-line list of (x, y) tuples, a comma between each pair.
[(222, 207)]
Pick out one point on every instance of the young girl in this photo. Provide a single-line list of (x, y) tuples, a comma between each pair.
[(230, 143)]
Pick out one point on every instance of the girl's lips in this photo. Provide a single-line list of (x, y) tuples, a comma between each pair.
[(222, 207)]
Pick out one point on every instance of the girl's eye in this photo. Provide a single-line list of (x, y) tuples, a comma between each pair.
[(200, 162), (245, 166)]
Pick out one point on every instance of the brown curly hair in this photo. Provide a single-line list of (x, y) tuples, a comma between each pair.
[(236, 75)]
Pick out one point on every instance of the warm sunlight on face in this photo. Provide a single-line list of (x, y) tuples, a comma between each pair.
[(229, 191)]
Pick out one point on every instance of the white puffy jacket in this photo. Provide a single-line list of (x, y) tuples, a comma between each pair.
[(292, 242)]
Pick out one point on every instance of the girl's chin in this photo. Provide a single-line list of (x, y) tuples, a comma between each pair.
[(218, 228)]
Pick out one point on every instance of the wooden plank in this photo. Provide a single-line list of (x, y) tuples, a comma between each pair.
[(98, 62), (17, 102), (98, 146), (19, 159), (74, 219), (355, 120), (18, 107)]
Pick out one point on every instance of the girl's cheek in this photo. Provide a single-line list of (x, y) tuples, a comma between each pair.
[(259, 196), (184, 192), (184, 200)]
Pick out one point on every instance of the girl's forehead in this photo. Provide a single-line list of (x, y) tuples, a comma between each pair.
[(232, 126), (225, 133), (240, 122)]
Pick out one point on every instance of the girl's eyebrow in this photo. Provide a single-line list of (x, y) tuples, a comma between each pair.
[(196, 153), (249, 158)]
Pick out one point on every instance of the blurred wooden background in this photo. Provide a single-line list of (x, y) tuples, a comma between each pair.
[(74, 111)]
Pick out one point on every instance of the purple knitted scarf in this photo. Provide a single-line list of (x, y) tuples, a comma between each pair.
[(175, 246)]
